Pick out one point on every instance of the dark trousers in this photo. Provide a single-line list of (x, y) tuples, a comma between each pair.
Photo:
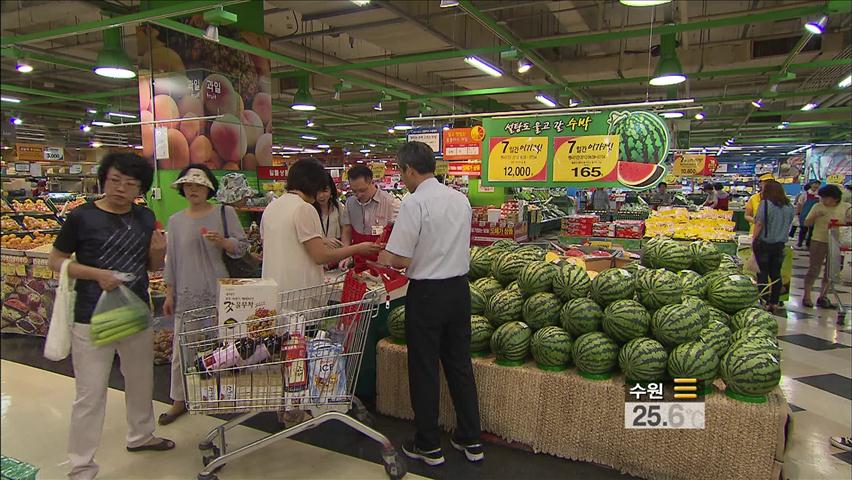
[(437, 327), (770, 257), (805, 234)]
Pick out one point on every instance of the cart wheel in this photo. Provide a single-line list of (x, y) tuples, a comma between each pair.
[(211, 476), (206, 459), (364, 417), (205, 445), (395, 466)]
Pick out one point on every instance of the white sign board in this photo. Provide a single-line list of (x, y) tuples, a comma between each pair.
[(53, 154), (431, 136)]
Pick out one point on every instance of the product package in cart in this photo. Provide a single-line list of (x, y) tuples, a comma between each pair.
[(327, 372)]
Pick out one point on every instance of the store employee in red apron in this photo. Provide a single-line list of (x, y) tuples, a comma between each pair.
[(368, 211)]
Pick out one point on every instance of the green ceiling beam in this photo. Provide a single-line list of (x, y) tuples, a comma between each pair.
[(45, 58), (561, 41), (170, 9), (89, 98)]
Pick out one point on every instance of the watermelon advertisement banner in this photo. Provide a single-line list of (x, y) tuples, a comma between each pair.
[(612, 149)]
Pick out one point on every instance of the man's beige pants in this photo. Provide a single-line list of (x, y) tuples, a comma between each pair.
[(91, 369)]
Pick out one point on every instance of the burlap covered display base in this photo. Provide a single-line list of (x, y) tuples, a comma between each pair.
[(563, 414)]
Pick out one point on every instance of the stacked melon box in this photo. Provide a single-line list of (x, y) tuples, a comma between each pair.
[(685, 311)]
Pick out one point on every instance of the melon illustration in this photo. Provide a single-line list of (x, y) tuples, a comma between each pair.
[(639, 175), (644, 136)]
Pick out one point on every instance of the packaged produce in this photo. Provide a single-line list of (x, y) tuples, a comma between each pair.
[(679, 223), (327, 370)]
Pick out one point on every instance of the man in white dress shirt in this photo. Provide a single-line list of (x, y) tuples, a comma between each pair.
[(431, 238)]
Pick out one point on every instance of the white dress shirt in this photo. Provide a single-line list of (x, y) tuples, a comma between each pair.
[(433, 230)]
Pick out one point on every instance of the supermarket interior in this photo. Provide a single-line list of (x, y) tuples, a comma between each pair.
[(233, 231)]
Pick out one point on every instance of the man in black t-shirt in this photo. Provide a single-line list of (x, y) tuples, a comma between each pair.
[(109, 236)]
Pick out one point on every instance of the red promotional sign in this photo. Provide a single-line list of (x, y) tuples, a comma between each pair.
[(272, 173), (461, 144), (471, 169)]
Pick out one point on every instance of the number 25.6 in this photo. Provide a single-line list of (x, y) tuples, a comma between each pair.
[(652, 413)]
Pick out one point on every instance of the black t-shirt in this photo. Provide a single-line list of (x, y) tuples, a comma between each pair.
[(109, 241)]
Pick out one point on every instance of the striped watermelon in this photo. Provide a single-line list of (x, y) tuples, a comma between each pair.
[(537, 277), (581, 315), (611, 285), (531, 253), (717, 335), (643, 360), (674, 256), (718, 315), (511, 342), (480, 262), (477, 301), (677, 323), (507, 245), (694, 359), (658, 288), (505, 306), (514, 286), (396, 324), (732, 293), (729, 264), (751, 333), (551, 347), (480, 333), (541, 310), (702, 307), (496, 258), (507, 267), (755, 317), (751, 372), (705, 256), (624, 320), (650, 252), (595, 353), (693, 283), (757, 343), (572, 282), (488, 286)]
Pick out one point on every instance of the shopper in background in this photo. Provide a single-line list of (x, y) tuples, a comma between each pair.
[(712, 200), (109, 236), (431, 239), (754, 200), (771, 224), (829, 210), (600, 200), (661, 197), (722, 197), (805, 201), (234, 190), (196, 242), (368, 211), (331, 213)]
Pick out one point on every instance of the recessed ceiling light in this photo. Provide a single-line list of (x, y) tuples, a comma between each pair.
[(10, 99), (672, 114), (308, 137), (544, 99), (483, 66), (809, 106), (323, 145)]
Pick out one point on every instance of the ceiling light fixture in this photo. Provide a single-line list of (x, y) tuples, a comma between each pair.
[(449, 3), (212, 33), (524, 65), (573, 102), (809, 106), (101, 123), (91, 111), (364, 150), (120, 115), (671, 114), (86, 128), (112, 61), (310, 123), (700, 116), (303, 101), (96, 144), (323, 145), (545, 100), (483, 66), (446, 127), (643, 3), (757, 103), (391, 130), (846, 82), (308, 137), (783, 125), (16, 121), (10, 100), (669, 71), (378, 106), (23, 66), (817, 27), (361, 3)]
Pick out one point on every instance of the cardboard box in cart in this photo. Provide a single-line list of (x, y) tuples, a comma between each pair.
[(240, 298)]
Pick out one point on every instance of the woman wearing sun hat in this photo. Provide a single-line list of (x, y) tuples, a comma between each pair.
[(194, 261)]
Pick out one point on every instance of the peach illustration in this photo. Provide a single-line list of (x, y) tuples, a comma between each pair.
[(165, 108), (253, 127), (229, 138), (200, 150), (262, 105), (263, 150)]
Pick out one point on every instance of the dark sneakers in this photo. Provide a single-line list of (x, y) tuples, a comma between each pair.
[(473, 451), (433, 458)]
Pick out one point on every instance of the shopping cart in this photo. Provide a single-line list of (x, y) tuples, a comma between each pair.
[(305, 355), (839, 245)]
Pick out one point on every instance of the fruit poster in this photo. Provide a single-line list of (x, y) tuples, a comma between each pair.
[(612, 149), (182, 78)]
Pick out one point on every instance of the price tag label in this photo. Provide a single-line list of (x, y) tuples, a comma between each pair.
[(585, 159), (518, 159), (835, 179), (679, 415)]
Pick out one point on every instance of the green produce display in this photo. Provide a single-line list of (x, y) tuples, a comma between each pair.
[(541, 310), (488, 286), (718, 315), (693, 283), (657, 288), (750, 372), (732, 293), (480, 262), (611, 285), (595, 354), (571, 282), (694, 359), (507, 267), (581, 315), (537, 277), (755, 317), (677, 323), (643, 360), (505, 306), (705, 256), (624, 320), (673, 256), (551, 348), (477, 301), (717, 335)]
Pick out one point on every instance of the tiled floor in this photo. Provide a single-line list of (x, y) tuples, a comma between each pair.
[(817, 380)]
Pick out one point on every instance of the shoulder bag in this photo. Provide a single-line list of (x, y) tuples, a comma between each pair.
[(247, 266), (57, 346)]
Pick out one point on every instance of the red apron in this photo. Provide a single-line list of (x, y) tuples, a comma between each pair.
[(360, 260)]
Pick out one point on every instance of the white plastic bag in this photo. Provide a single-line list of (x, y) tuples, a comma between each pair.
[(118, 314), (58, 343)]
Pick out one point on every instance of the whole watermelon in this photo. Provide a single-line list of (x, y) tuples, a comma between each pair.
[(396, 324), (505, 306), (537, 277), (700, 305), (541, 310), (511, 341), (717, 335), (595, 353), (488, 286), (531, 253), (581, 315), (729, 264), (705, 256), (480, 334), (718, 315), (480, 262), (752, 333), (507, 267), (611, 285), (755, 317), (507, 245), (693, 283), (551, 347), (750, 371), (624, 320), (650, 252), (677, 323), (658, 288), (643, 360), (674, 256), (732, 293), (572, 281), (644, 136), (515, 287), (477, 301), (694, 359)]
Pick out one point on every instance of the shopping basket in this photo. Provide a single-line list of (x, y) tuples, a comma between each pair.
[(304, 355)]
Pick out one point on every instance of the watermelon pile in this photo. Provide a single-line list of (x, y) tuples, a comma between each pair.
[(687, 310)]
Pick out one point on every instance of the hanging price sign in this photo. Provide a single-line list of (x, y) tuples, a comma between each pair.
[(585, 159), (518, 159)]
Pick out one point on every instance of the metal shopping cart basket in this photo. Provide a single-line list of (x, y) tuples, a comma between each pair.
[(305, 355), (839, 239)]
